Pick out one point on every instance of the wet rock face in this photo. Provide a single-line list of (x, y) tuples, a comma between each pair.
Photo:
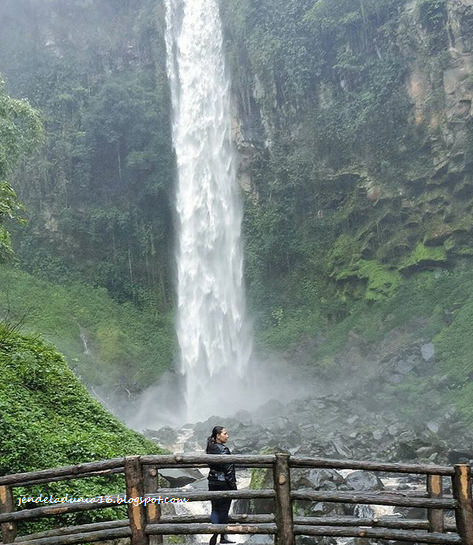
[(428, 200)]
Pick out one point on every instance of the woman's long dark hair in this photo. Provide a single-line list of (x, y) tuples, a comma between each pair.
[(211, 439)]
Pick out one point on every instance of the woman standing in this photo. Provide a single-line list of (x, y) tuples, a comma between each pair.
[(221, 477)]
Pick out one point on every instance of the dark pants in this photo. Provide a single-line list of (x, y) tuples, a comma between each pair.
[(220, 507)]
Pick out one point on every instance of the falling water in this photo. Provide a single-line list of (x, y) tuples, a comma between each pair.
[(212, 328)]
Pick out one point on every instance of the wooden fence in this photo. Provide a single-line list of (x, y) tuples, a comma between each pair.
[(146, 525)]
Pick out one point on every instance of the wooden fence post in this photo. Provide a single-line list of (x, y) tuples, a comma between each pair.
[(153, 510), (464, 511), (434, 489), (7, 506), (282, 486), (135, 491)]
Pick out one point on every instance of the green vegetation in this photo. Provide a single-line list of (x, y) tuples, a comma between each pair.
[(430, 306), (346, 202), (20, 131), (98, 192), (47, 419), (127, 348), (425, 255)]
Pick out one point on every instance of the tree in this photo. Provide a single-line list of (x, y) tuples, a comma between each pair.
[(20, 131)]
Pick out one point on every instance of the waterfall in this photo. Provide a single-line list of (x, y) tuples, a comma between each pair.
[(212, 328)]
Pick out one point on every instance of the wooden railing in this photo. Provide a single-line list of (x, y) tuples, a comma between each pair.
[(146, 524)]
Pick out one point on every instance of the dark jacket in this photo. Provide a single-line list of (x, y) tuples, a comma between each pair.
[(222, 472)]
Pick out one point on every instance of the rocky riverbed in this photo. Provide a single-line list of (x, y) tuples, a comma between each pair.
[(359, 419)]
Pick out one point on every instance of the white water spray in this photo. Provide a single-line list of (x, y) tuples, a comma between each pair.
[(212, 327)]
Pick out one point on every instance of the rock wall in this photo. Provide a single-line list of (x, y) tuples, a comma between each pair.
[(397, 203)]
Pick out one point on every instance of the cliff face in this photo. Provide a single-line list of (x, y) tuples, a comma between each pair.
[(363, 113)]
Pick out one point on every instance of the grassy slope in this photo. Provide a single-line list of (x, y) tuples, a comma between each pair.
[(127, 346), (47, 419)]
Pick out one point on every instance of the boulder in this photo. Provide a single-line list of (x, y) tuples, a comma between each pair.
[(363, 480), (165, 436), (427, 351), (320, 479), (180, 477)]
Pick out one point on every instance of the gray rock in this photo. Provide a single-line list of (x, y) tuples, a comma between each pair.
[(363, 511), (364, 480), (378, 434), (309, 540), (393, 430), (405, 451), (270, 409), (341, 449), (324, 508), (180, 477), (433, 427), (404, 367), (165, 436), (425, 451), (320, 479), (427, 351), (395, 378)]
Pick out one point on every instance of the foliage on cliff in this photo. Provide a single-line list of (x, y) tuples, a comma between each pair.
[(360, 163), (20, 131), (431, 306), (98, 192), (114, 348), (47, 418)]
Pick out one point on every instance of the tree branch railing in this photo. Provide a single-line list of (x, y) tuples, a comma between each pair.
[(146, 524)]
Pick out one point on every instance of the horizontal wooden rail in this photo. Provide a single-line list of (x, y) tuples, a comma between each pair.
[(203, 460), (419, 469), (244, 494), (72, 472), (103, 473), (101, 535), (165, 519), (170, 529), (56, 509), (83, 528), (400, 524), (232, 519), (114, 501), (373, 498), (377, 533)]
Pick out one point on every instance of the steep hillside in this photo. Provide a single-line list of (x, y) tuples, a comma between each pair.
[(47, 419), (116, 349)]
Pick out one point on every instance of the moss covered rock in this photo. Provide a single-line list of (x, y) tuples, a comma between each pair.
[(424, 256)]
